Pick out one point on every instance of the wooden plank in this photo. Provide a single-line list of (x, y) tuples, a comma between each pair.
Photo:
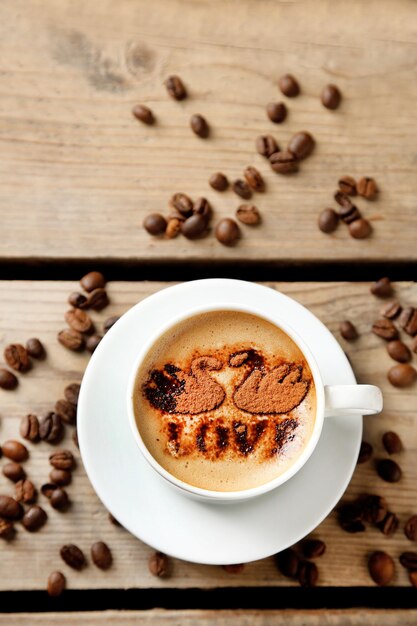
[(78, 173), (327, 617), (37, 308)]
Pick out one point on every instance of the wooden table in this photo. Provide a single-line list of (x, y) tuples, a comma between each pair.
[(78, 174)]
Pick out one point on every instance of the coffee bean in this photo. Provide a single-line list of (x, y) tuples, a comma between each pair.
[(381, 568), (350, 517), (409, 560), (248, 214), (73, 556), (328, 220), (389, 470), (7, 530), (355, 526), (349, 214), (25, 491), (301, 145), (71, 393), (360, 229), (242, 189), (110, 322), (71, 339), (365, 452), (7, 379), (35, 348), (173, 227), (227, 231), (373, 508), (98, 299), (75, 439), (367, 188), (413, 346), (60, 477), (56, 584), (308, 574), (203, 207), (392, 442), (402, 375), (14, 471), (79, 320), (284, 162), (413, 578), (382, 288), (254, 178), (236, 568), (10, 509), (287, 562), (348, 331), (347, 185), (143, 114), (182, 203), (399, 351), (218, 181), (410, 528), (158, 565), (92, 342), (155, 224), (266, 146), (276, 111), (101, 555), (391, 310), (385, 329), (47, 489), (194, 226), (51, 428), (62, 459), (175, 88), (199, 126), (313, 548), (92, 281), (34, 518), (408, 320), (59, 499), (331, 97), (77, 300), (66, 411), (16, 357), (389, 524), (113, 520), (15, 451), (343, 199), (289, 86)]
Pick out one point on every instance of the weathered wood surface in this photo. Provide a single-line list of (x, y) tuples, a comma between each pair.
[(324, 617), (78, 173), (37, 308)]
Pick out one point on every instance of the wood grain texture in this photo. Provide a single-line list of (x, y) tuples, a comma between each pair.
[(37, 309), (78, 173), (158, 617)]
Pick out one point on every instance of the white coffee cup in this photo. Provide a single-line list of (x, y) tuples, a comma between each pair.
[(331, 401)]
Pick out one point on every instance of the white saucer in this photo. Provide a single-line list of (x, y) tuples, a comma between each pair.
[(158, 514)]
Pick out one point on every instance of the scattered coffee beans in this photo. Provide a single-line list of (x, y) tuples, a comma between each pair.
[(350, 517), (365, 452), (408, 320), (289, 86), (73, 556), (218, 181), (182, 203), (266, 146), (77, 300), (391, 310), (399, 351), (328, 220), (381, 568), (62, 459), (175, 88), (402, 375), (287, 562), (389, 470), (158, 564), (382, 288), (348, 331), (199, 126), (35, 348), (173, 227), (155, 224), (59, 499), (7, 530), (101, 555), (15, 451), (307, 574), (25, 491), (47, 489), (331, 97), (349, 213), (66, 411), (71, 393), (276, 111), (79, 320), (254, 179), (10, 509), (389, 524), (113, 520), (392, 442), (98, 299), (194, 226), (60, 477), (143, 114), (56, 584), (301, 145), (410, 528), (34, 518), (409, 560), (313, 548), (110, 322), (373, 508), (360, 229), (248, 214), (203, 207), (51, 428), (347, 185), (413, 346), (71, 339), (7, 379), (14, 471), (92, 342), (385, 329), (227, 231), (284, 162), (343, 199), (92, 281), (16, 357), (242, 189), (367, 188)]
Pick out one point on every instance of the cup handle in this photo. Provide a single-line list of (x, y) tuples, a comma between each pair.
[(352, 400)]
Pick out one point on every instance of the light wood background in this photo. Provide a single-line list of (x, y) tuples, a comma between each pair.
[(37, 308), (78, 173)]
